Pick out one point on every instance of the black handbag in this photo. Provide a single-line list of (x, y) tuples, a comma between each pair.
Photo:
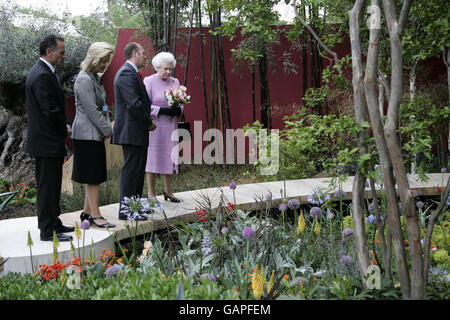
[(183, 124)]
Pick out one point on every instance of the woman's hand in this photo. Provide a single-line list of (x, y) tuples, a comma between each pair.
[(153, 126)]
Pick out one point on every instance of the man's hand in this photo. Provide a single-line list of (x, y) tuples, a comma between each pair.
[(153, 126), (69, 130)]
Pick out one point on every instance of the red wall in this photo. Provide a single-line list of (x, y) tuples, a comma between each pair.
[(285, 88)]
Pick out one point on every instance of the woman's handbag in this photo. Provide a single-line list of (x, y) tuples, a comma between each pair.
[(183, 124)]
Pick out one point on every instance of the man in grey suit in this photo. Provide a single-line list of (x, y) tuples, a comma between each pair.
[(132, 122)]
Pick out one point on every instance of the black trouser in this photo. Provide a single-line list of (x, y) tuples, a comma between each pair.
[(48, 193), (132, 175)]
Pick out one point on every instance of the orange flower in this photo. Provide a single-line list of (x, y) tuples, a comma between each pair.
[(286, 277), (120, 260), (109, 265), (315, 279), (11, 188), (373, 254), (86, 261)]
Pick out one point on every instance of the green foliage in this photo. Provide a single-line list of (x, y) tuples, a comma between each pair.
[(20, 45), (98, 29), (311, 143), (421, 125), (24, 191), (428, 31)]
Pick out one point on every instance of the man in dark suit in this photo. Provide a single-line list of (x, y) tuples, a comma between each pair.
[(132, 122), (47, 130)]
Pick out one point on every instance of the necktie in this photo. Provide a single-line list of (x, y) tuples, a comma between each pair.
[(57, 78), (141, 75)]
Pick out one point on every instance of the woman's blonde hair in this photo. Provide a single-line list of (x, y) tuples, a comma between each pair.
[(96, 52)]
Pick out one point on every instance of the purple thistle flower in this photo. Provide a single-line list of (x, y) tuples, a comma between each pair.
[(112, 271), (347, 232), (293, 204), (415, 193), (443, 170), (224, 230), (315, 212), (283, 206), (248, 233), (371, 206), (233, 185), (419, 204), (268, 196), (85, 224), (210, 276), (347, 261)]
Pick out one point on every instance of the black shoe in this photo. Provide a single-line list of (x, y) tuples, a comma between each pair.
[(60, 236), (84, 216), (125, 217), (107, 224), (62, 229), (172, 199)]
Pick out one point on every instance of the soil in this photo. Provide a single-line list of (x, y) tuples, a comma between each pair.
[(11, 211)]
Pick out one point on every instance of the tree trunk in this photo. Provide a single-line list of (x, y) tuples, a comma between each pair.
[(412, 94), (175, 27), (390, 130), (205, 97), (355, 15), (222, 71), (189, 44), (446, 59)]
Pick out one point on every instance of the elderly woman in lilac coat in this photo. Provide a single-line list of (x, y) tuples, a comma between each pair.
[(160, 146)]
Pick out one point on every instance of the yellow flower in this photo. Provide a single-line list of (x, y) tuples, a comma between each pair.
[(258, 282), (77, 231), (271, 281), (316, 227), (162, 276), (29, 241), (301, 223), (55, 240)]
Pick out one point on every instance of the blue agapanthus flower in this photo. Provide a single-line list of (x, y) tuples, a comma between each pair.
[(371, 219), (135, 206), (316, 196)]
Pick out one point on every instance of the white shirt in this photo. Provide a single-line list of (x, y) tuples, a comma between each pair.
[(134, 66), (49, 65)]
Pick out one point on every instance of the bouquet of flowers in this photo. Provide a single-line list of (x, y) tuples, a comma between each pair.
[(177, 96)]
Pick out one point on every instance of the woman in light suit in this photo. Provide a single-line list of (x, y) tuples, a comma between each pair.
[(89, 130)]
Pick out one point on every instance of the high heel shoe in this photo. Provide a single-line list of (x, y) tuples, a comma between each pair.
[(172, 199), (84, 216), (107, 224)]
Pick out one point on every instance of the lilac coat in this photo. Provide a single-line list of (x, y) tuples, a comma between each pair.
[(160, 145)]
